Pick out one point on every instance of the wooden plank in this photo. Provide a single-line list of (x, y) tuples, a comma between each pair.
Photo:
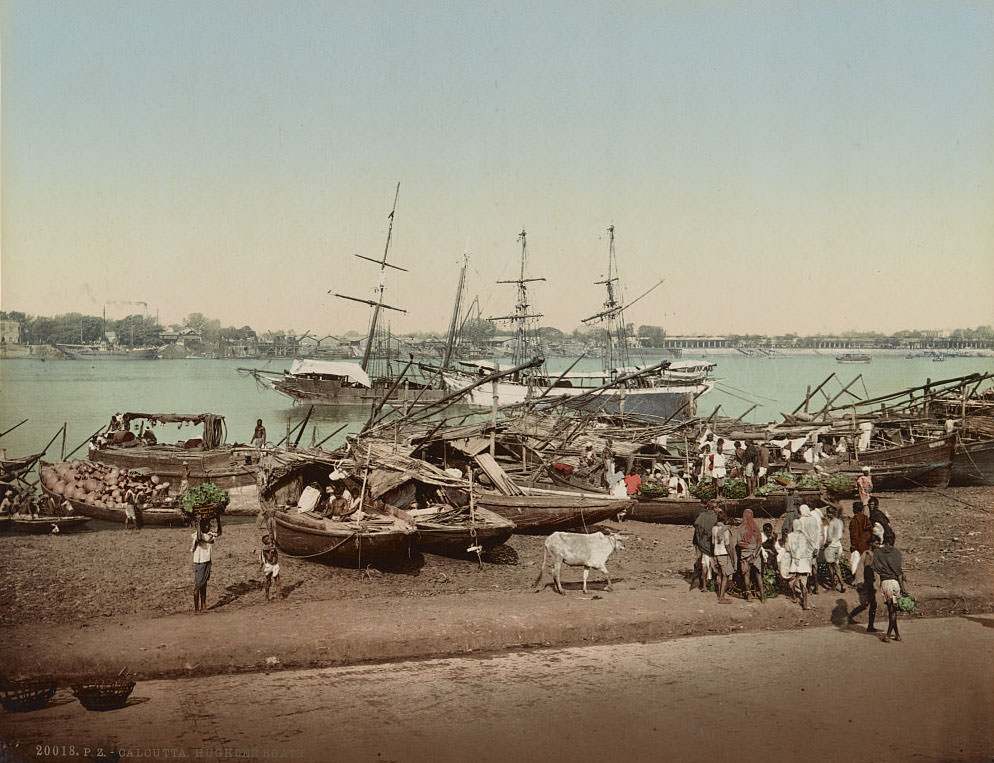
[(497, 475)]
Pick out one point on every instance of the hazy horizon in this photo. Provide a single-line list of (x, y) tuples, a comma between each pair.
[(807, 168)]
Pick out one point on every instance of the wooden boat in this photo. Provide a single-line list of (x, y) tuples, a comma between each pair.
[(927, 463), (155, 516), (13, 468), (683, 511), (450, 531), (204, 459), (973, 463), (376, 538), (545, 511), (42, 525), (4, 522)]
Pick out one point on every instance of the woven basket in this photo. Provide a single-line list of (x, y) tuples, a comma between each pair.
[(21, 696), (208, 510), (104, 694)]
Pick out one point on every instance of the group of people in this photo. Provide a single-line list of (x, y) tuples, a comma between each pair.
[(20, 501), (749, 462), (807, 536)]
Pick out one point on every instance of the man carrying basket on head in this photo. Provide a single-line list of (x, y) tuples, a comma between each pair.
[(203, 542)]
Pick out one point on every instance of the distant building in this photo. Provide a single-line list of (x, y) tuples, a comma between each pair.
[(10, 332)]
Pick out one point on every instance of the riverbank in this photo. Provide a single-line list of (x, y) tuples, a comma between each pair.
[(99, 601)]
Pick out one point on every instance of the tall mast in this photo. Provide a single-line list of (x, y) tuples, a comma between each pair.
[(378, 304), (613, 314), (454, 323), (521, 315)]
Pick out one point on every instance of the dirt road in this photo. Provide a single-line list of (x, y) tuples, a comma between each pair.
[(818, 694)]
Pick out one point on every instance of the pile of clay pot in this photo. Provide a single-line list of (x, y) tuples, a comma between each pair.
[(101, 485)]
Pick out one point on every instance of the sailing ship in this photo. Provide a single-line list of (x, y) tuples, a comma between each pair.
[(325, 382), (652, 391)]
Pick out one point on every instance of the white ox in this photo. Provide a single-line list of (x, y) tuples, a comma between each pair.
[(579, 549)]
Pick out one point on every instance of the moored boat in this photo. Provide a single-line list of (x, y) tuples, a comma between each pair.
[(157, 516), (43, 525), (973, 464), (375, 538), (453, 531), (854, 357), (542, 511), (202, 459), (927, 463), (683, 511)]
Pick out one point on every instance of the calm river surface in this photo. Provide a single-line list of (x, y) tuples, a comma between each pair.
[(86, 394)]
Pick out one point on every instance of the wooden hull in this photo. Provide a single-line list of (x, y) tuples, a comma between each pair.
[(491, 530), (925, 464), (332, 392), (11, 468), (152, 516), (45, 525), (342, 543), (907, 476), (226, 467), (973, 464), (683, 511), (546, 513)]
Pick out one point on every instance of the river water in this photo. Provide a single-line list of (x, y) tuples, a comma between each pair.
[(85, 394)]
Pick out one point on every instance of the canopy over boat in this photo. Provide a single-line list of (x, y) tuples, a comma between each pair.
[(352, 371)]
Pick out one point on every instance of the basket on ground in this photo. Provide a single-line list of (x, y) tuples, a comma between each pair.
[(21, 696), (103, 694)]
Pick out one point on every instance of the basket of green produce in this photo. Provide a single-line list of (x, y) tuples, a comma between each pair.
[(653, 491), (809, 482), (769, 489), (840, 485), (704, 489), (733, 487), (782, 478), (205, 500)]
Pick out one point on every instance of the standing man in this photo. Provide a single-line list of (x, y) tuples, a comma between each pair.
[(259, 436), (607, 458), (867, 589), (724, 546), (860, 533), (718, 467), (762, 463), (887, 564), (864, 484), (750, 546), (703, 546), (130, 504), (750, 457), (203, 542), (792, 509), (833, 547)]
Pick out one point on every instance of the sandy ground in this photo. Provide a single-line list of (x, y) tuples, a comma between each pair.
[(760, 696), (947, 538), (104, 599)]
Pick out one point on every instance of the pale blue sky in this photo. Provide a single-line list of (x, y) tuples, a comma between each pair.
[(785, 166)]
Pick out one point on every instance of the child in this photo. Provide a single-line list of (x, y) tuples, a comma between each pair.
[(270, 566)]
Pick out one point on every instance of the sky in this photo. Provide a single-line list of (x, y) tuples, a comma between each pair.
[(798, 167)]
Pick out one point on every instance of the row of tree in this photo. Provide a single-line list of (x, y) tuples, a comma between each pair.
[(144, 331)]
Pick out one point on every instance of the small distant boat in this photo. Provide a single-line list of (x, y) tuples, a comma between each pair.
[(938, 358), (853, 357)]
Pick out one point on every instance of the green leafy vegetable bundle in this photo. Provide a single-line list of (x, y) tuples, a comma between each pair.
[(204, 494), (653, 491), (839, 484), (809, 482), (703, 489), (733, 487)]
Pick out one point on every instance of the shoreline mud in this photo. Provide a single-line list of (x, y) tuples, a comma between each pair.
[(99, 601)]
